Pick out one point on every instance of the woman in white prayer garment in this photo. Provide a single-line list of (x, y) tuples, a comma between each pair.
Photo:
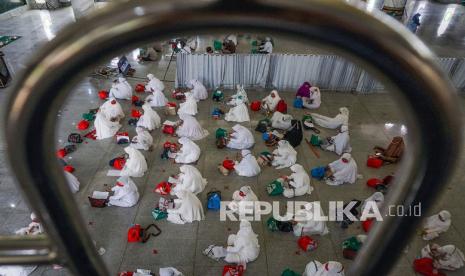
[(150, 119), (156, 99), (343, 170), (198, 90), (436, 224), (447, 257), (241, 198), (73, 182), (121, 89), (188, 153), (281, 121), (189, 179), (305, 222), (135, 165), (284, 156), (239, 113), (154, 84), (125, 193), (104, 127), (270, 102), (248, 166), (189, 107), (240, 138), (190, 128), (112, 109), (331, 268), (34, 228), (327, 122), (188, 208), (267, 47), (242, 247), (314, 101), (377, 198), (299, 182), (143, 140), (240, 92), (339, 143)]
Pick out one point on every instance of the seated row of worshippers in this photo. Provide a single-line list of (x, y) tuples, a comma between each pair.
[(189, 182)]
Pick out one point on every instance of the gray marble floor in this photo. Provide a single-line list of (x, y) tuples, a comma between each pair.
[(374, 119)]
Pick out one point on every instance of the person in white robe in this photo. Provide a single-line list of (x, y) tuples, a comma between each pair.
[(191, 128), (125, 193), (305, 223), (154, 84), (284, 156), (436, 224), (377, 198), (143, 140), (189, 107), (188, 208), (189, 179), (240, 93), (267, 47), (242, 248), (241, 198), (314, 101), (299, 182), (248, 166), (150, 119), (240, 138), (281, 121), (104, 127), (198, 90), (327, 122), (73, 182), (121, 89), (447, 257), (331, 268), (135, 165), (343, 170), (270, 102), (34, 228), (339, 143), (188, 153), (112, 109), (232, 37), (156, 99), (239, 113)]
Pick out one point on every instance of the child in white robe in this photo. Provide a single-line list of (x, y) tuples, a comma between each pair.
[(34, 228), (436, 224), (190, 128), (299, 182), (343, 170), (270, 102), (73, 182), (281, 121), (284, 156), (248, 166), (121, 89), (240, 138), (189, 107), (339, 143), (154, 84), (241, 198), (150, 119), (305, 223), (143, 140), (447, 257), (125, 193), (135, 165), (104, 127), (239, 113), (189, 179), (188, 208), (198, 90), (112, 109), (188, 153), (331, 268), (341, 119)]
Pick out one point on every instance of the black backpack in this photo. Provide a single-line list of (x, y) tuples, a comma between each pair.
[(75, 138), (133, 121), (284, 226), (294, 135)]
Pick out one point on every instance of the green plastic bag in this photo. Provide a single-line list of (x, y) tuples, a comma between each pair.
[(88, 116), (352, 243), (307, 117), (218, 94), (272, 224), (217, 45), (275, 188), (288, 272), (315, 140), (221, 133), (159, 214)]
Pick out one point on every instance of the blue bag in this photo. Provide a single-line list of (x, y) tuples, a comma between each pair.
[(318, 173), (265, 136), (214, 200), (298, 103)]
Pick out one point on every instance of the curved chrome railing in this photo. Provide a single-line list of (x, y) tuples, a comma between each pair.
[(378, 43)]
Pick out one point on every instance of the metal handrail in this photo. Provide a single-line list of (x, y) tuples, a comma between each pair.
[(380, 44)]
